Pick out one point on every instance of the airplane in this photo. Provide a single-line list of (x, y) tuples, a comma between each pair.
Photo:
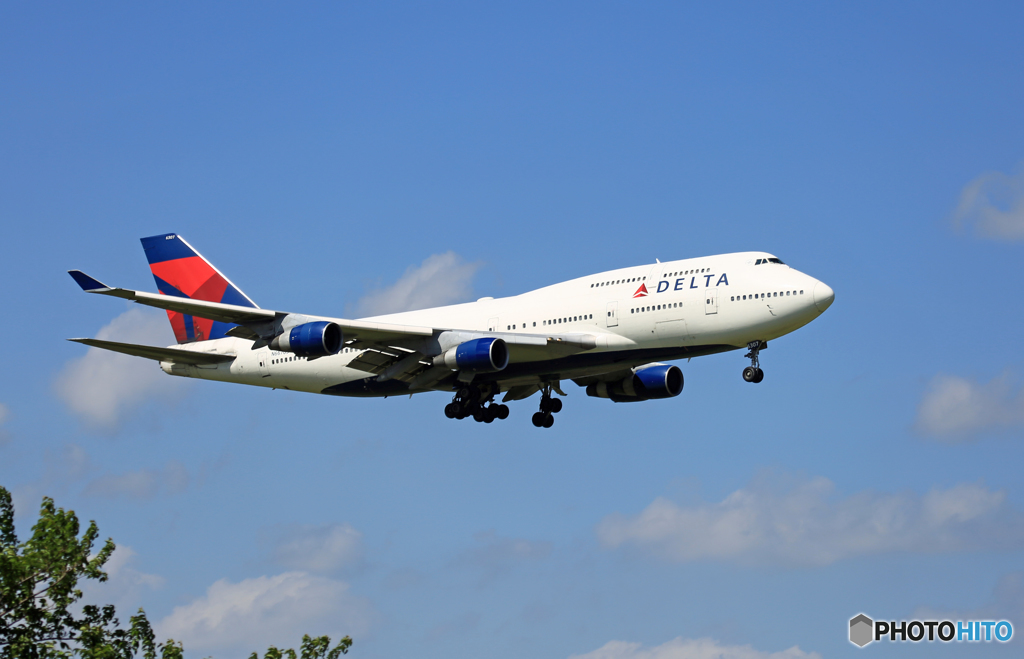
[(610, 333)]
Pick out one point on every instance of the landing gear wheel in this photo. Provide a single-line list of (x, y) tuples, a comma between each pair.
[(501, 412), (451, 410), (548, 406), (753, 373)]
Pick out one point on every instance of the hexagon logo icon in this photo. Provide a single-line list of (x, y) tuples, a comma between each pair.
[(861, 628)]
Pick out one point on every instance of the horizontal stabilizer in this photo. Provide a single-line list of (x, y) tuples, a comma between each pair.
[(86, 282), (173, 355), (226, 313)]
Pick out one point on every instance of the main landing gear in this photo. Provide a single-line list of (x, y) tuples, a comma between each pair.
[(548, 407), (477, 403), (753, 373)]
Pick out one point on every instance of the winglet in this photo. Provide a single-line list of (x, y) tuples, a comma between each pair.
[(88, 284)]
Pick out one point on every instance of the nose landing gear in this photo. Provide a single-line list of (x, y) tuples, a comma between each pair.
[(477, 403), (753, 373), (548, 407)]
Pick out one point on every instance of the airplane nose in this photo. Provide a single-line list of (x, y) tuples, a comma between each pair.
[(823, 296)]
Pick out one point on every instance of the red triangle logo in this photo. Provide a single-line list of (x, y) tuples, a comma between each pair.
[(641, 292)]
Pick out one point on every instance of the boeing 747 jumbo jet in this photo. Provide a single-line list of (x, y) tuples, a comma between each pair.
[(607, 332)]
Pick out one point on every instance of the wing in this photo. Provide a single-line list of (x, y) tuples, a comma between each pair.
[(389, 351)]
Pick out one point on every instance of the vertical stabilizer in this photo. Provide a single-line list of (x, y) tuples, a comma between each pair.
[(180, 270)]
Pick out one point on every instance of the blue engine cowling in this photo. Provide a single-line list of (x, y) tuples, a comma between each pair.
[(476, 356), (646, 383), (317, 339)]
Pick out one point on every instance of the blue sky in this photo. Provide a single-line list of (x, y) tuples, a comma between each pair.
[(332, 159)]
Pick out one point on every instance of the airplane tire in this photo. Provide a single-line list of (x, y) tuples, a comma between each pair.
[(480, 415), (502, 412), (548, 420), (749, 374), (758, 376), (451, 410), (538, 419), (556, 405)]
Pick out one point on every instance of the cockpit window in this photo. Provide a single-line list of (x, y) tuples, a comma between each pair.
[(771, 260)]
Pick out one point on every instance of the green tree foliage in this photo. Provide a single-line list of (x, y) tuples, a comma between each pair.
[(40, 614), (312, 648)]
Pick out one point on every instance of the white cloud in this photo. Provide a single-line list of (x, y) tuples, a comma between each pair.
[(4, 413), (101, 385), (322, 549), (1006, 603), (124, 586), (141, 484), (256, 613), (993, 204), (956, 408), (806, 524), (60, 470), (441, 279), (701, 648), (496, 555)]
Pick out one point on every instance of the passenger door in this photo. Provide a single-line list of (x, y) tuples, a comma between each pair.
[(612, 314), (710, 301), (492, 324), (263, 357)]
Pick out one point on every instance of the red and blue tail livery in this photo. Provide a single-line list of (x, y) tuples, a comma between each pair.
[(609, 333), (181, 271)]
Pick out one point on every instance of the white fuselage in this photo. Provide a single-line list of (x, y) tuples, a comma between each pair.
[(691, 307)]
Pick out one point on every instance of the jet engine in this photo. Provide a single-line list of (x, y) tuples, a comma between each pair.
[(317, 339), (646, 383), (477, 356)]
